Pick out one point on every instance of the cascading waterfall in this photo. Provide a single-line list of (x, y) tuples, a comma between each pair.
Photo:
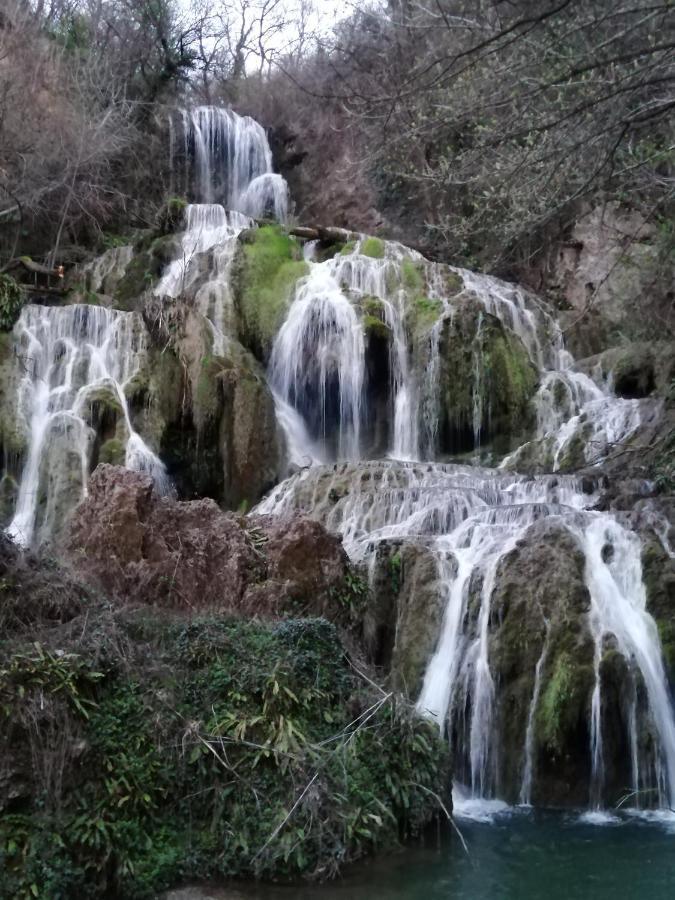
[(321, 344), (80, 358), (618, 609), (317, 363), (227, 160), (475, 517), (72, 358)]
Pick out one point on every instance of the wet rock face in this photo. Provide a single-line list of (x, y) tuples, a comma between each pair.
[(540, 607), (208, 409), (405, 611), (191, 555), (487, 382)]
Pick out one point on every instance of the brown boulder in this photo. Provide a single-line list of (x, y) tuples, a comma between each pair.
[(140, 547)]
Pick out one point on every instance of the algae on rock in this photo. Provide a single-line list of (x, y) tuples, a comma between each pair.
[(267, 267)]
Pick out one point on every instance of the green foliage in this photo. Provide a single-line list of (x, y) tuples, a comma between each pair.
[(48, 672), (395, 567), (561, 702), (271, 265), (11, 300), (171, 215), (111, 241), (373, 247), (113, 452), (219, 748), (353, 595)]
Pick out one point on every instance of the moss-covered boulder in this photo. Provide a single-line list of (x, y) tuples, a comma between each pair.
[(539, 615), (207, 410), (267, 267), (487, 382)]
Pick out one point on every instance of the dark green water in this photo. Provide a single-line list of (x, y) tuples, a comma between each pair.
[(521, 856)]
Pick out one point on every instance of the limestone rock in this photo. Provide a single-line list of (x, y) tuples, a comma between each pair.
[(540, 605)]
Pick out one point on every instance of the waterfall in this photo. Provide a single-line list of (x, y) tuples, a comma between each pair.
[(618, 609), (471, 519), (318, 359), (228, 161), (266, 197), (321, 345), (72, 358), (207, 226)]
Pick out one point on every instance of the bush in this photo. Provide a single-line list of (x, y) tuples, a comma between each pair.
[(11, 301), (216, 748)]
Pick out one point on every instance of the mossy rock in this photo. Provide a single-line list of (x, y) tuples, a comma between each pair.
[(268, 266), (372, 247), (483, 366), (425, 314), (412, 276), (574, 451), (171, 216), (376, 328), (144, 270), (113, 452), (564, 702), (539, 616)]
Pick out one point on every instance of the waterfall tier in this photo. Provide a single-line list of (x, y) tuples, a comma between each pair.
[(75, 364), (220, 157)]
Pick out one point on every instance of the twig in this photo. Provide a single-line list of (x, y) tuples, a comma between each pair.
[(445, 810), (290, 813)]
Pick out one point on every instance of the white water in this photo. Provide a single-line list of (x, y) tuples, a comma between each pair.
[(69, 357), (618, 609), (226, 158), (318, 361), (473, 517)]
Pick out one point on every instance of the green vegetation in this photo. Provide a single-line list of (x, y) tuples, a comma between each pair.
[(269, 267), (170, 216), (562, 702), (11, 301), (157, 751), (373, 247), (113, 452)]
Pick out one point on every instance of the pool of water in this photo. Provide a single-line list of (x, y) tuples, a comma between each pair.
[(514, 855)]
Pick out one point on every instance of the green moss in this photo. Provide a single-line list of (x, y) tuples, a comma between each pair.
[(373, 247), (428, 310), (562, 702), (348, 248), (412, 276), (376, 327), (112, 451), (270, 267)]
